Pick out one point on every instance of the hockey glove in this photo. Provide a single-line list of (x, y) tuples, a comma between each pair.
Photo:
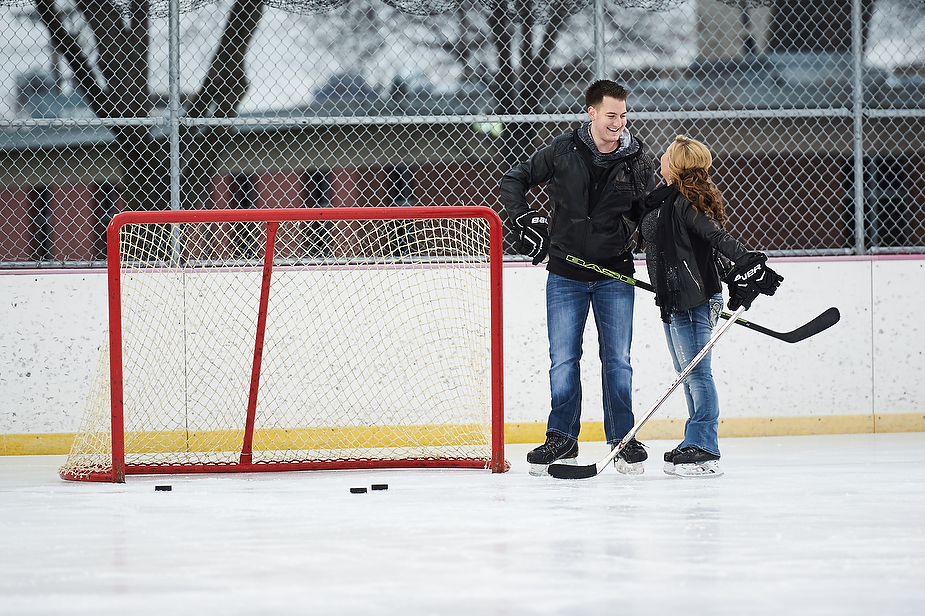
[(533, 238), (750, 278)]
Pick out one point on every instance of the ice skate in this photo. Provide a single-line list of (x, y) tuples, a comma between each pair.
[(669, 460), (629, 460), (557, 448), (693, 462)]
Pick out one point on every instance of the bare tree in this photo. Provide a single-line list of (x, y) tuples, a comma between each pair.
[(521, 34), (527, 34), (107, 48)]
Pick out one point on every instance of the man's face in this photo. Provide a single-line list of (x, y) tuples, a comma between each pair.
[(608, 120)]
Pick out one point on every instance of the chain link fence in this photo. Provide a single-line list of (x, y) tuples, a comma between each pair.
[(815, 111)]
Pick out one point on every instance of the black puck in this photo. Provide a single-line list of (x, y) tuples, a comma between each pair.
[(163, 488), (358, 490), (380, 486)]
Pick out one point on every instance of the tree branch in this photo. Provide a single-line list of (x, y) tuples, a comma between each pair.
[(66, 44), (226, 82)]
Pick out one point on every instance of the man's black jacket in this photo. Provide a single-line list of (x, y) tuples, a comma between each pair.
[(600, 232)]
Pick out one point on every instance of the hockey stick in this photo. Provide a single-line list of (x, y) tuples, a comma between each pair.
[(567, 471), (821, 323)]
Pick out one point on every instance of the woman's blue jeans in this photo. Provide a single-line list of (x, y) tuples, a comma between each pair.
[(687, 333), (567, 304)]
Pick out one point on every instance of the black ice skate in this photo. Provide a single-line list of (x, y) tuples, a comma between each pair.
[(629, 460), (692, 462), (669, 460), (557, 448)]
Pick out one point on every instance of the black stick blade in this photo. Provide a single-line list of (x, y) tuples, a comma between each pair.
[(572, 471), (821, 323)]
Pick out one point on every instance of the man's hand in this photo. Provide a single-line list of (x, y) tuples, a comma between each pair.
[(533, 239)]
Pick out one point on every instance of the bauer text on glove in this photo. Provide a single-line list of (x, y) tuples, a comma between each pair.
[(750, 278), (533, 238)]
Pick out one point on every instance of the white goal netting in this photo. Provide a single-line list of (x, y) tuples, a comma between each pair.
[(357, 343)]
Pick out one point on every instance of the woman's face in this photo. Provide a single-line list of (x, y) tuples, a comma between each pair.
[(664, 161)]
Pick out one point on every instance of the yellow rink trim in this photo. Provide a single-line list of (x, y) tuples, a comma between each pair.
[(36, 444), (403, 436), (172, 441), (670, 429)]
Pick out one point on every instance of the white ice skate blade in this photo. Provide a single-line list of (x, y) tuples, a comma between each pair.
[(539, 470), (669, 469), (624, 467), (709, 468)]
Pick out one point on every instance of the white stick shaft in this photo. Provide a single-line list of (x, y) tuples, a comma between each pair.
[(681, 376)]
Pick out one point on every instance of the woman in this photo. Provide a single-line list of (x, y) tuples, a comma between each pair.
[(684, 229)]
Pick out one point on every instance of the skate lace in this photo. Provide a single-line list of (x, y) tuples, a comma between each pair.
[(633, 446), (551, 444)]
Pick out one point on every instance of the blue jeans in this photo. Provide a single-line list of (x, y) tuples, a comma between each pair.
[(687, 333), (567, 304)]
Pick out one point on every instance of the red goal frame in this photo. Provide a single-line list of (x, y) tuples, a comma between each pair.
[(273, 218)]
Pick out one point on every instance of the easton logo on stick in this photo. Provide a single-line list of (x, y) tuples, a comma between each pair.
[(594, 267)]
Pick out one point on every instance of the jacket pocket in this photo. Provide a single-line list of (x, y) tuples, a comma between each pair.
[(623, 189)]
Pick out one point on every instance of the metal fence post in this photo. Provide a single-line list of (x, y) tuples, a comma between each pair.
[(857, 50), (600, 70), (174, 102)]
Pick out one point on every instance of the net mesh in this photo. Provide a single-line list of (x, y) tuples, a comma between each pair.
[(377, 345)]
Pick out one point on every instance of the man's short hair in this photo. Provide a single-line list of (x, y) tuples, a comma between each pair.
[(596, 92)]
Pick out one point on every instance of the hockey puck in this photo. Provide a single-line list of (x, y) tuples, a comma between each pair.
[(358, 490), (163, 488), (380, 486)]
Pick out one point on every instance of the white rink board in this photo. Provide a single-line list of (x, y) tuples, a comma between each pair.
[(53, 323), (756, 375)]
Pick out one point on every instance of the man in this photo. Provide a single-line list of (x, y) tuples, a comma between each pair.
[(597, 178)]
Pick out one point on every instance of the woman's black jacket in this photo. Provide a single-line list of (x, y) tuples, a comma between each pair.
[(687, 274)]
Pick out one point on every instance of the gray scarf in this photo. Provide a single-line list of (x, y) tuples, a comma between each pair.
[(605, 160)]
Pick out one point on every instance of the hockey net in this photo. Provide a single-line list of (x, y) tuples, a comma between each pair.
[(290, 339)]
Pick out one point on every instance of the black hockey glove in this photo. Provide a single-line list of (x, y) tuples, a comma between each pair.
[(750, 278), (533, 238)]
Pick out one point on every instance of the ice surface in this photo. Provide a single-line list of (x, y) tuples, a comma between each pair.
[(797, 525)]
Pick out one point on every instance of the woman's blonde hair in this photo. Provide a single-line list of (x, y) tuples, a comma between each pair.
[(689, 164)]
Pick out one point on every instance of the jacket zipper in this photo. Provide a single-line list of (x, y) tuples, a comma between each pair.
[(691, 274), (627, 162)]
